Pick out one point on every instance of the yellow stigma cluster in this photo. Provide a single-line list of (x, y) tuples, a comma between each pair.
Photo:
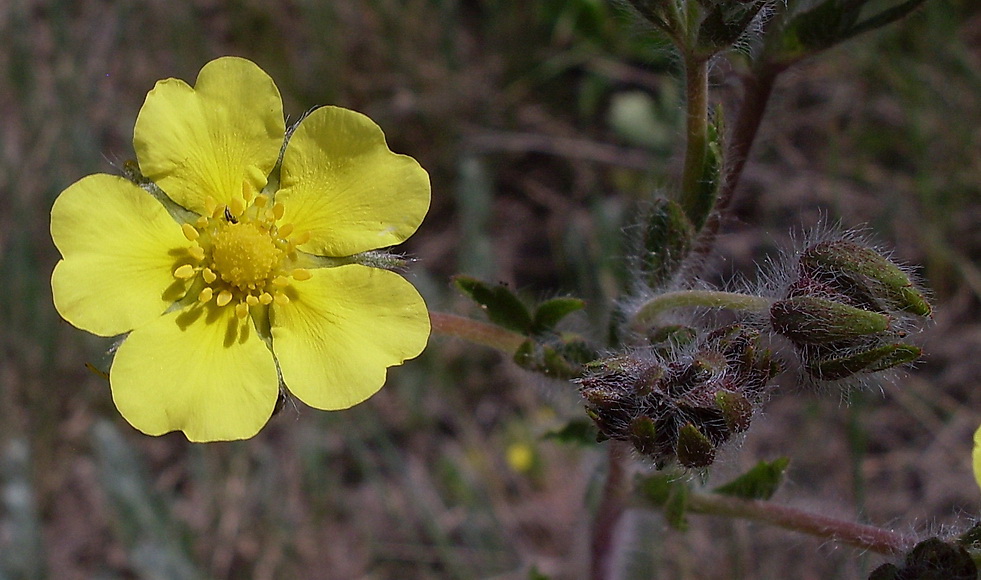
[(241, 254)]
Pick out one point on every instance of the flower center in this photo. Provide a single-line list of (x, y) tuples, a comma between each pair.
[(244, 255), (241, 254)]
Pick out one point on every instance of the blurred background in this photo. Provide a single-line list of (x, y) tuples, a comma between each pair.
[(543, 123)]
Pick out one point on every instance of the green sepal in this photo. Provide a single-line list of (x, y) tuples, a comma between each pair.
[(643, 435), (669, 492), (694, 448), (667, 239), (868, 361), (562, 357), (760, 482), (501, 304), (856, 269), (580, 432), (736, 410), (550, 312), (813, 320)]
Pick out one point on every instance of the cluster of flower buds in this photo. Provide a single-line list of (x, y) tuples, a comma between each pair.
[(847, 309), (682, 405)]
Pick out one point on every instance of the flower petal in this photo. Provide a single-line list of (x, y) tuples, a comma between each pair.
[(209, 139), (342, 329), (201, 370), (120, 248), (342, 184)]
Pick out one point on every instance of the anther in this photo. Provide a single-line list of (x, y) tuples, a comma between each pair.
[(210, 205), (206, 295), (281, 299), (237, 206), (252, 300), (241, 310), (209, 275), (265, 299), (184, 272), (196, 252), (189, 232), (224, 297), (279, 211), (285, 230), (280, 281), (300, 238), (301, 274)]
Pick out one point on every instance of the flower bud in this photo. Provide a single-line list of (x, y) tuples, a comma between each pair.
[(870, 360), (860, 270), (814, 320), (694, 448), (680, 404)]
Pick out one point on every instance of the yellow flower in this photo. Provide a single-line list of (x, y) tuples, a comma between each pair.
[(976, 456), (237, 266)]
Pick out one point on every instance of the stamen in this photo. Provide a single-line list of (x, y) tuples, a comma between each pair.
[(281, 299), (189, 232), (196, 252), (209, 275), (265, 299), (206, 295), (280, 281), (210, 205), (224, 297), (201, 223), (184, 272), (241, 310), (237, 206), (252, 300), (279, 211), (300, 238), (260, 201), (285, 230), (301, 274)]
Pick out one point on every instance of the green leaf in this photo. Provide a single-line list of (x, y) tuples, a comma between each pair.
[(666, 241), (580, 432), (669, 491), (550, 312), (760, 482), (502, 306)]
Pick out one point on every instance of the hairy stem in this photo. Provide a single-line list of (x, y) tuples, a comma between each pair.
[(650, 310), (476, 332), (757, 88), (696, 102), (862, 536), (616, 492)]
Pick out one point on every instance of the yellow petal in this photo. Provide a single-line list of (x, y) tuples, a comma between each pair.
[(976, 456), (120, 248), (342, 184), (201, 371), (207, 140), (341, 329)]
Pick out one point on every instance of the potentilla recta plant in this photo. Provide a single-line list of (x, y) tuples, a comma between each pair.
[(241, 261)]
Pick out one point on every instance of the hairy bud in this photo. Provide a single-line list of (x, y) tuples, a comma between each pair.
[(684, 403), (846, 310)]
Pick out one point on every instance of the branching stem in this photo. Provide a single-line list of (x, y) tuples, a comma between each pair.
[(696, 103), (648, 313), (874, 539), (476, 332)]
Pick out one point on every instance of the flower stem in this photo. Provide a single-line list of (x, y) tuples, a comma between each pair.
[(757, 88), (476, 332), (862, 536), (616, 492), (650, 310), (696, 102)]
